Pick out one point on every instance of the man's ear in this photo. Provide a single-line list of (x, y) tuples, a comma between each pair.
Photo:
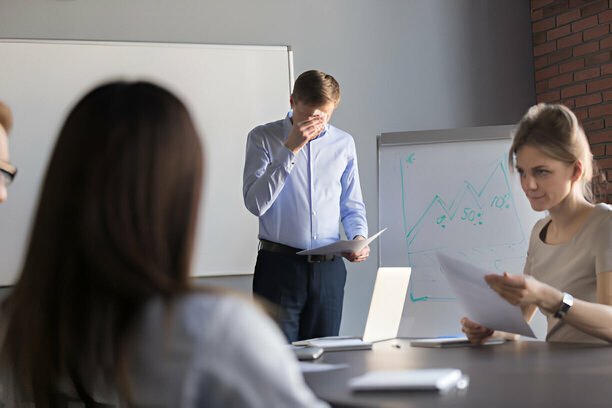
[(291, 101)]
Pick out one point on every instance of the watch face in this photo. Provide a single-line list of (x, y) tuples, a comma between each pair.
[(566, 303)]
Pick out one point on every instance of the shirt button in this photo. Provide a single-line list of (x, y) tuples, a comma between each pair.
[(314, 213), (314, 236)]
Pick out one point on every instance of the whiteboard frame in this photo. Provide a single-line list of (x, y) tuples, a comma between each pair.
[(188, 45)]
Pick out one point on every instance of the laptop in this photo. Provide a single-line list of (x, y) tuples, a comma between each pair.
[(387, 304)]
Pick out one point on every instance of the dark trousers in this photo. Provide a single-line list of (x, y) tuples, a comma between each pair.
[(309, 296)]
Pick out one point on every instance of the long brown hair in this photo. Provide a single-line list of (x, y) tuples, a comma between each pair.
[(114, 228)]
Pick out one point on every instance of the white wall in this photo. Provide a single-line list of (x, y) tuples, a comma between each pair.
[(402, 65)]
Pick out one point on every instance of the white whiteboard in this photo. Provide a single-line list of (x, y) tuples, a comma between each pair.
[(448, 190), (228, 89)]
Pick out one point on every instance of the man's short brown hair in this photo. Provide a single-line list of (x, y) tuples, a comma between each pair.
[(6, 117), (316, 88)]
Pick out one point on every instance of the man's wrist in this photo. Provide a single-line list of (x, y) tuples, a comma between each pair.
[(293, 150)]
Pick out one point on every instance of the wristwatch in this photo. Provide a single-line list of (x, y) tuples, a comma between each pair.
[(566, 303)]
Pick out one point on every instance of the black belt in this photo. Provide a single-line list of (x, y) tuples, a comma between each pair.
[(270, 246)]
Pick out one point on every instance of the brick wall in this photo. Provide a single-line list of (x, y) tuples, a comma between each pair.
[(572, 49)]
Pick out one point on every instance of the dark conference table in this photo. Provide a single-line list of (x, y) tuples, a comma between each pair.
[(514, 374)]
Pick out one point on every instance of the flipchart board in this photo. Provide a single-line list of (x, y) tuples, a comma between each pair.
[(452, 191)]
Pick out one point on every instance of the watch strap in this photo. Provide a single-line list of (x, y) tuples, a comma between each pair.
[(566, 303)]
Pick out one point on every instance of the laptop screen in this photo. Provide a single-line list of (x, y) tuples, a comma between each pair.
[(388, 297)]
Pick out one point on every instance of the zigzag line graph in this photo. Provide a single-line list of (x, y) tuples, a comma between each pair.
[(484, 216)]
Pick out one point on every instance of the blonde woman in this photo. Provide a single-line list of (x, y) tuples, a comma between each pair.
[(568, 272)]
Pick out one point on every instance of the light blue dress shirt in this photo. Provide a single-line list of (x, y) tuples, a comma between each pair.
[(300, 199)]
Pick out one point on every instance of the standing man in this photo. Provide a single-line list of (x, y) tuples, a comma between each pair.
[(7, 171), (301, 180)]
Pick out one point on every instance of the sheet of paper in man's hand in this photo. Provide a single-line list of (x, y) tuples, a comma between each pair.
[(339, 247), (482, 304)]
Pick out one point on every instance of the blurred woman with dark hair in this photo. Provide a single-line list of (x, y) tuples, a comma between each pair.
[(104, 311)]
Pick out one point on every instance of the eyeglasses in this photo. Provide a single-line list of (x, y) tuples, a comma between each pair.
[(8, 172)]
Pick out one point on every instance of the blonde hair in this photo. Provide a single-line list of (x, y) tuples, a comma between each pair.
[(555, 130), (316, 88), (6, 117)]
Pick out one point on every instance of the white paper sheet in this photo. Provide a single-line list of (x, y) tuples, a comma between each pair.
[(319, 367), (339, 247), (451, 342), (307, 341), (337, 345), (419, 379), (482, 304)]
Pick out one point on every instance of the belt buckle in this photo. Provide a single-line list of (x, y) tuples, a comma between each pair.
[(319, 258), (313, 258)]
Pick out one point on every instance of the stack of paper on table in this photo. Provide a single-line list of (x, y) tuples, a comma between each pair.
[(451, 342), (336, 343), (440, 379)]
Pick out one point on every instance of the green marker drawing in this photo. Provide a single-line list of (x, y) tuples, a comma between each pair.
[(410, 159), (473, 215)]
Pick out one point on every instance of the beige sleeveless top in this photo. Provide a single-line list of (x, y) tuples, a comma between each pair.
[(573, 266)]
